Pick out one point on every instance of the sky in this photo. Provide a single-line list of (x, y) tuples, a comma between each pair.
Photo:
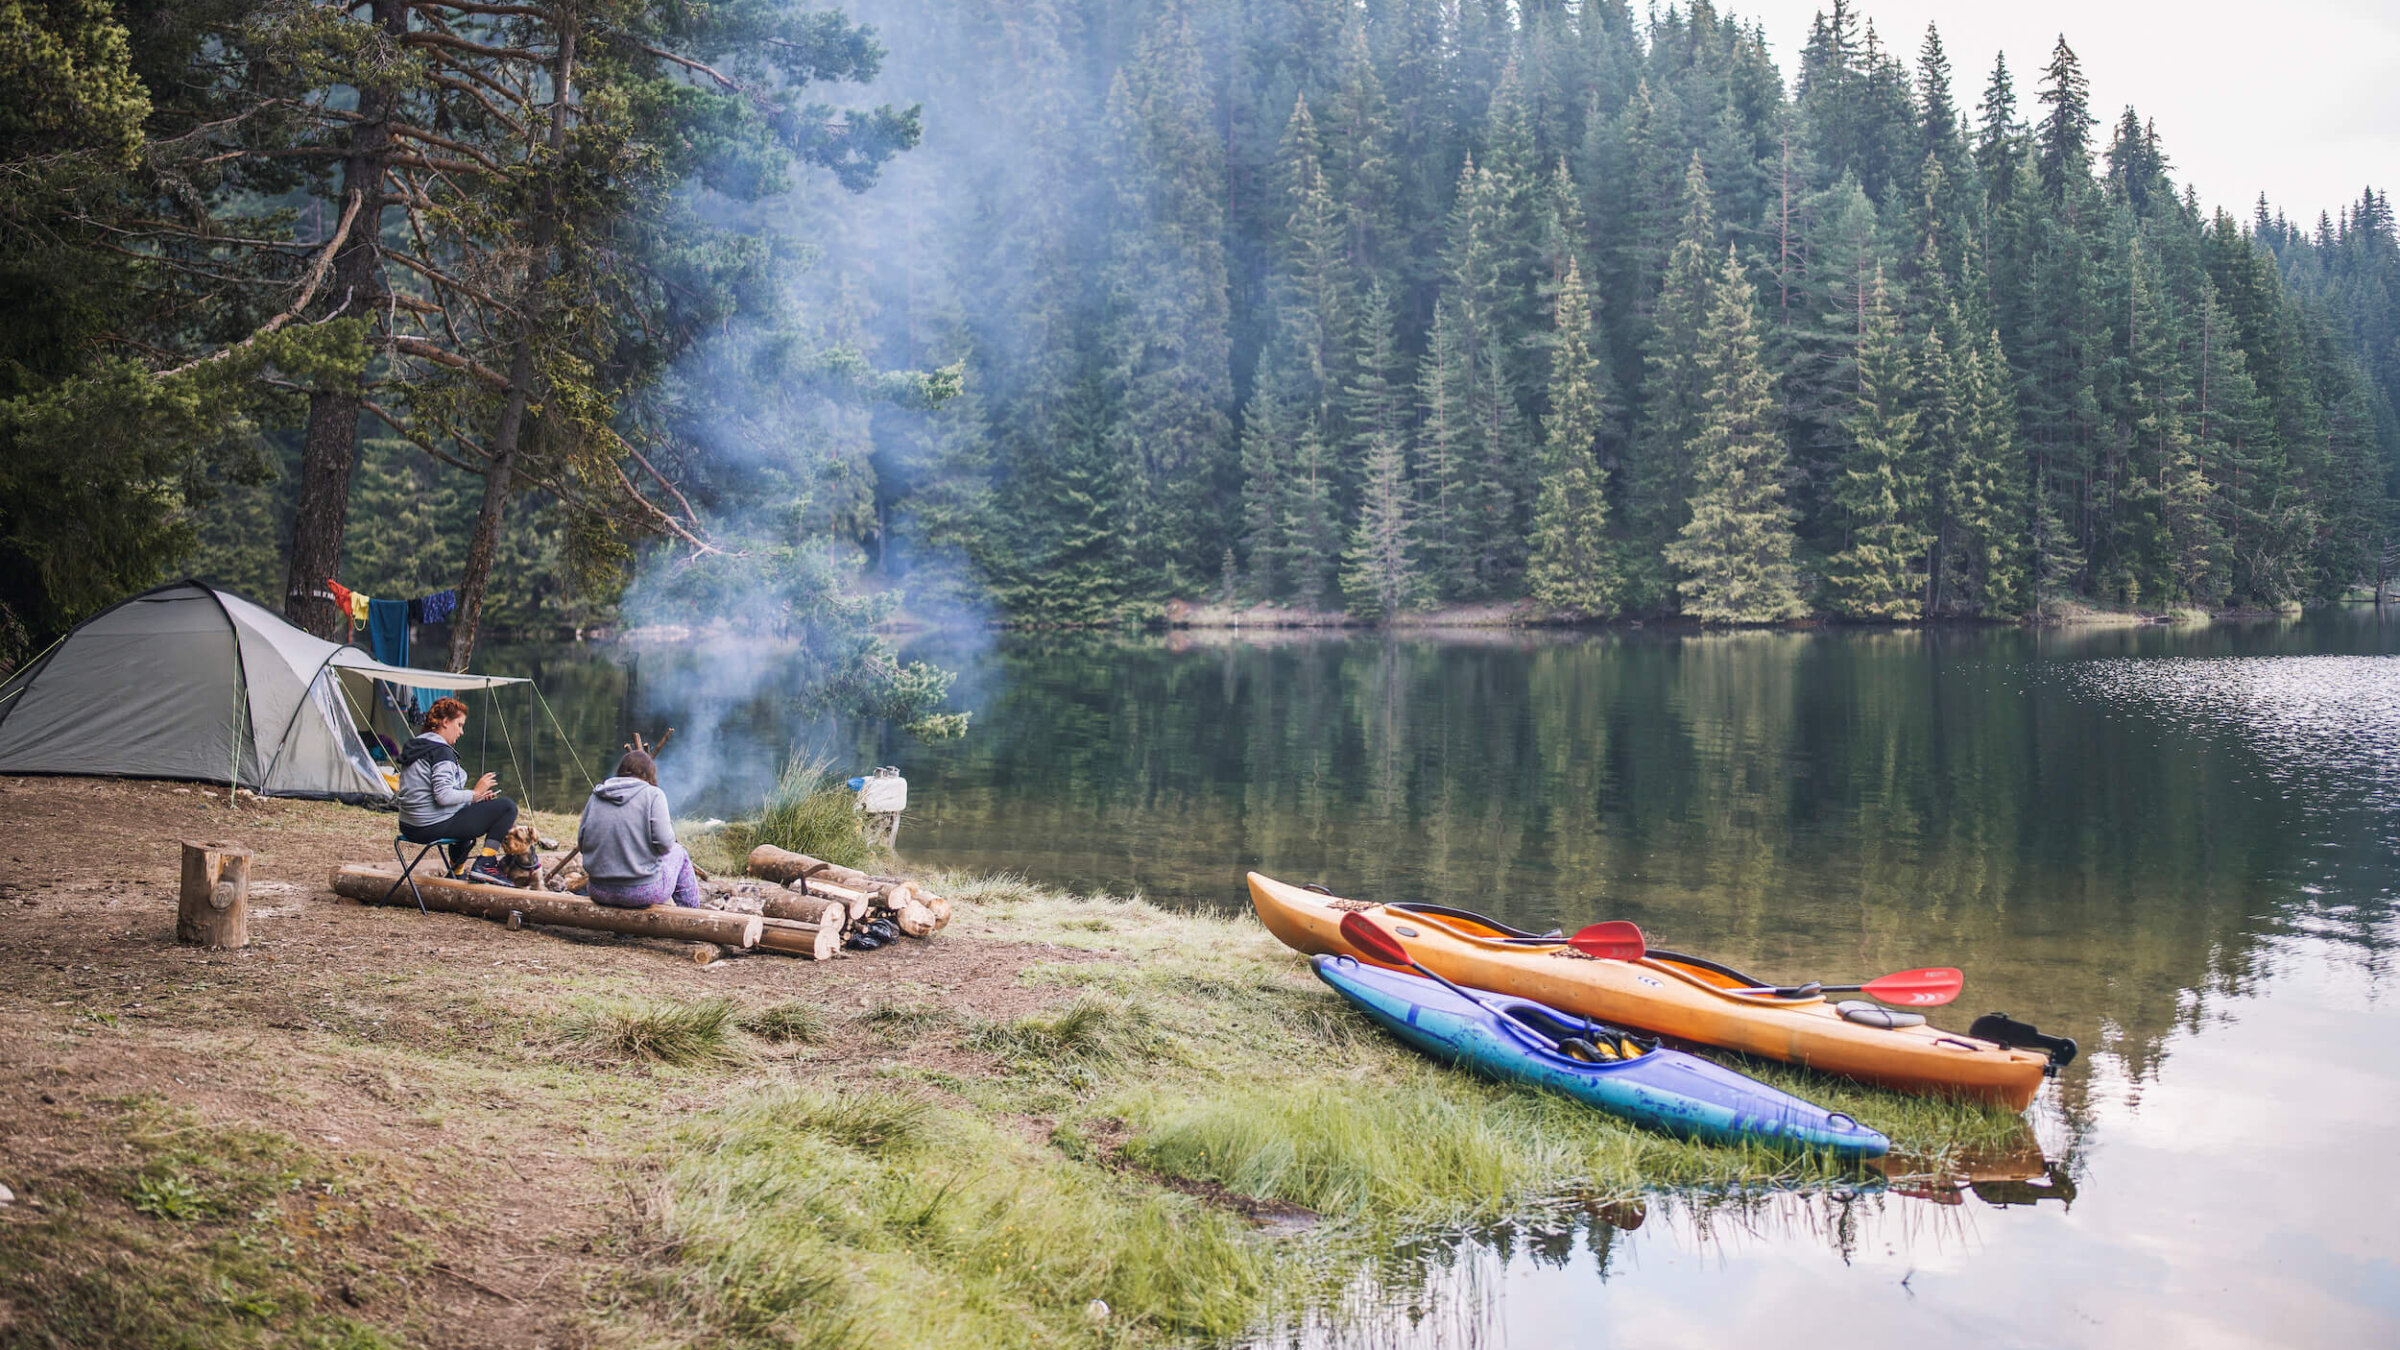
[(2300, 100)]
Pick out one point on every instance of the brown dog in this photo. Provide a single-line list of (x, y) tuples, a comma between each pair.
[(521, 859)]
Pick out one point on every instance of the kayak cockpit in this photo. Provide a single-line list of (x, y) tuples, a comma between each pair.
[(1573, 1038)]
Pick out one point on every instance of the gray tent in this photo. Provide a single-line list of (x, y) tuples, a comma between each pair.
[(188, 681)]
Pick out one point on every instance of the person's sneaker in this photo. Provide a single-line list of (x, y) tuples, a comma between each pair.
[(487, 871)]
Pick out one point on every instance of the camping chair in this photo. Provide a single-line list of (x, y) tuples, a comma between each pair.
[(408, 865)]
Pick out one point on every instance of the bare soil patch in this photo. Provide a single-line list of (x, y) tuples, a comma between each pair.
[(446, 1178)]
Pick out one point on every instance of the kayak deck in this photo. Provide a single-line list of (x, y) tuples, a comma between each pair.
[(1517, 1040), (1667, 993)]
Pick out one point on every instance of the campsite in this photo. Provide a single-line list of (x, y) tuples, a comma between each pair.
[(1252, 674)]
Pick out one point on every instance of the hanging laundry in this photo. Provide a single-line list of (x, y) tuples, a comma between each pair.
[(341, 593), (439, 607), (387, 631)]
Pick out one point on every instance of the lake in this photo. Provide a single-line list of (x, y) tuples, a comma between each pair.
[(2179, 845)]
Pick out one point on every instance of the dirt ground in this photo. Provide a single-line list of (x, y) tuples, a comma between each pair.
[(441, 1173)]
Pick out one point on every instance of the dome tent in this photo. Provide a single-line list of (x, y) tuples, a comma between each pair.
[(191, 682)]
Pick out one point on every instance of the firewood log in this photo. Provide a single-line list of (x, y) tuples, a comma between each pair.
[(212, 908), (940, 907), (859, 903), (913, 918), (805, 908), (705, 953), (816, 941)]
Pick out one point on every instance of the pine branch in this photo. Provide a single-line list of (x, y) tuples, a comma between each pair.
[(308, 292)]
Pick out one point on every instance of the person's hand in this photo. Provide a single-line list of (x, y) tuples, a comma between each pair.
[(486, 786)]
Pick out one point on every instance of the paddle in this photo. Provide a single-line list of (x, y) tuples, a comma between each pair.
[(1615, 940), (1926, 988), (1361, 932)]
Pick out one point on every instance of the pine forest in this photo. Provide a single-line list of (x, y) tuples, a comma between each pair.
[(1056, 311)]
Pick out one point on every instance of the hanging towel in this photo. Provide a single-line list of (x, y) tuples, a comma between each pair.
[(340, 593), (439, 607), (358, 607), (387, 631)]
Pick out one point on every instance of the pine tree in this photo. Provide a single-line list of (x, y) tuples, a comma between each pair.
[(1447, 494), (1379, 573), (1879, 572), (1674, 398), (1573, 565), (1168, 304), (2063, 141), (1986, 485), (1735, 553)]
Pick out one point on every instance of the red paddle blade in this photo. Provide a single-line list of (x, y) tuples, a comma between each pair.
[(1615, 940), (1917, 988), (1372, 942)]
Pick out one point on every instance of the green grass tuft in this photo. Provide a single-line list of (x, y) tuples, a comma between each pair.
[(1093, 1030), (790, 1021), (700, 1031), (810, 811), (936, 1229)]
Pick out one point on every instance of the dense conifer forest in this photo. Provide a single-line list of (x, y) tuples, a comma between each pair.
[(1420, 301), (1062, 309)]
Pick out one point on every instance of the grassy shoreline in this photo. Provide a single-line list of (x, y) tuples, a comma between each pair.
[(1060, 1099)]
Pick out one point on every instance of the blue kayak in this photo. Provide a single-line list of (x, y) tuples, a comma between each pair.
[(1519, 1041)]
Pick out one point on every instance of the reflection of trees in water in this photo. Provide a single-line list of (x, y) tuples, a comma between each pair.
[(1369, 1292), (1805, 805)]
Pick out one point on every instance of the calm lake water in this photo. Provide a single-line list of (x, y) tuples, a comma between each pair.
[(2179, 845)]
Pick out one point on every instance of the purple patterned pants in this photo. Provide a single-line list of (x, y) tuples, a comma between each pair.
[(674, 881)]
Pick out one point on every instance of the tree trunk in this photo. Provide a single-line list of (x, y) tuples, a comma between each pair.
[(509, 434), (370, 884), (329, 447), (213, 907)]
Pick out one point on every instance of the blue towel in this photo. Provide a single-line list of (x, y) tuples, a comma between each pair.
[(387, 636), (387, 631), (439, 606)]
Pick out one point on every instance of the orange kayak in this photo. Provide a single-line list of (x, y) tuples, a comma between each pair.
[(1665, 992)]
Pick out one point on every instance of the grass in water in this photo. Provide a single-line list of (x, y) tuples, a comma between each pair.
[(809, 811), (700, 1031)]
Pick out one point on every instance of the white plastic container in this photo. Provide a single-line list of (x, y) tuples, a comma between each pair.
[(885, 793)]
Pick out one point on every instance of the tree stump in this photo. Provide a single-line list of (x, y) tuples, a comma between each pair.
[(213, 908)]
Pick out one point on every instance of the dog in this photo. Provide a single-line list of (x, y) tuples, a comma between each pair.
[(521, 859)]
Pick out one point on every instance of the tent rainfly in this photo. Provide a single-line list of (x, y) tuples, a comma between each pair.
[(188, 681)]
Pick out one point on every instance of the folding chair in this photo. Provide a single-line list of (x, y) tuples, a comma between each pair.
[(408, 865)]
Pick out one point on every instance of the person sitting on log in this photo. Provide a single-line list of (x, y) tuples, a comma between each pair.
[(628, 840), (436, 803)]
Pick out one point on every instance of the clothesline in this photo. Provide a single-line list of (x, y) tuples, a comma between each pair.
[(388, 623)]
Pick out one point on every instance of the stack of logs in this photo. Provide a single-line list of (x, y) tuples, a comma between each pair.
[(792, 903), (815, 891)]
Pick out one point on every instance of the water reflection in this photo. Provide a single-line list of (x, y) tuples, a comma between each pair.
[(2166, 843), (2236, 1202)]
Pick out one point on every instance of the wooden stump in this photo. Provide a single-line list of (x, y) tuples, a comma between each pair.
[(213, 908)]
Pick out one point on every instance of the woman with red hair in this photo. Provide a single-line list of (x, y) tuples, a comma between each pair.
[(436, 803)]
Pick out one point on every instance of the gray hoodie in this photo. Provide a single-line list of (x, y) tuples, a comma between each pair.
[(625, 832), (433, 787)]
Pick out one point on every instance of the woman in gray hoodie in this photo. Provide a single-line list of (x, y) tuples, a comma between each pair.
[(628, 841)]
